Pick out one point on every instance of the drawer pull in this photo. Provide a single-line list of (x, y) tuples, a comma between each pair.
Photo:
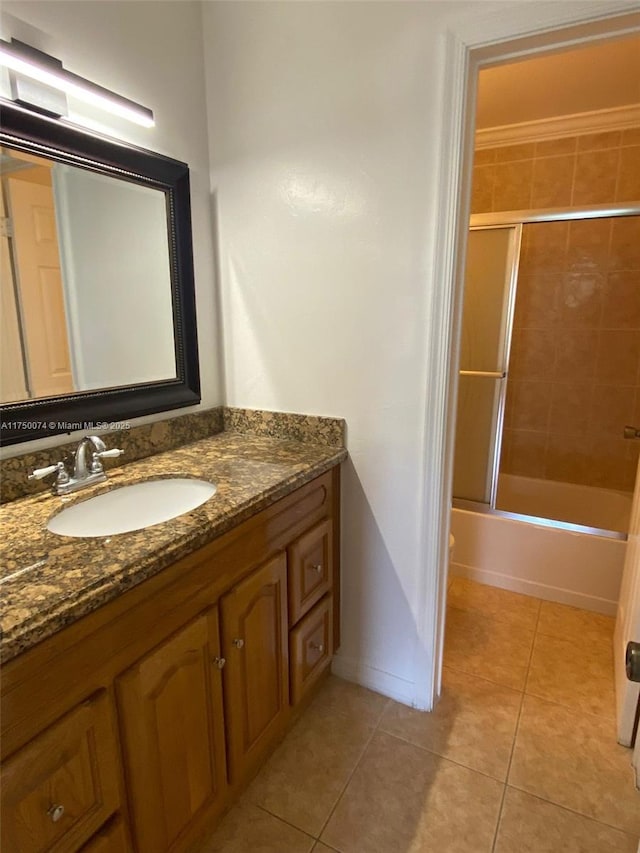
[(238, 643), (219, 662), (317, 647), (55, 813), (317, 568)]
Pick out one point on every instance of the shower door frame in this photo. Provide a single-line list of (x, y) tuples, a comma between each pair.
[(511, 218), (513, 261)]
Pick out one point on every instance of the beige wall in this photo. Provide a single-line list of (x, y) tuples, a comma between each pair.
[(575, 359)]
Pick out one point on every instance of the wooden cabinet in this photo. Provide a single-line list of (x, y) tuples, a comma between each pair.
[(256, 678), (189, 733), (310, 561), (311, 648), (111, 839), (59, 788), (171, 715)]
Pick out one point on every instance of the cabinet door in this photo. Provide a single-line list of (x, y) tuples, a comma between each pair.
[(256, 678), (59, 788), (172, 722), (111, 839)]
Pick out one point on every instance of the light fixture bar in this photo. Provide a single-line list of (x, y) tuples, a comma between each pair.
[(24, 60)]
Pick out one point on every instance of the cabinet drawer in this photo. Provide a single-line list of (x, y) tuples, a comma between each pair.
[(311, 648), (111, 839), (63, 785), (310, 569)]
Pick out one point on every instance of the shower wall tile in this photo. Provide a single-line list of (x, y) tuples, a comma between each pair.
[(621, 305), (595, 141), (527, 449), (618, 357), (552, 181), (574, 373), (581, 299), (625, 244), (569, 403), (531, 405), (576, 356), (631, 136), (549, 147), (593, 168), (512, 185), (596, 173), (629, 174)]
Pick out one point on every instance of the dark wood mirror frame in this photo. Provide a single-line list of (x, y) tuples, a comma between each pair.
[(31, 419)]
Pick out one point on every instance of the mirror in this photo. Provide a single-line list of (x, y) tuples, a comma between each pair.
[(98, 303)]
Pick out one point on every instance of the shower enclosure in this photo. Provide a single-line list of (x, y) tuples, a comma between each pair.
[(550, 368)]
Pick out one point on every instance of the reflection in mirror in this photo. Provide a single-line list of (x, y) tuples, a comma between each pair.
[(85, 276)]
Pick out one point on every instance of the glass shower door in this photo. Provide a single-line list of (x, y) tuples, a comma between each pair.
[(489, 294)]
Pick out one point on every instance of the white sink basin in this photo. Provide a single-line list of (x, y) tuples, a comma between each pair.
[(132, 507)]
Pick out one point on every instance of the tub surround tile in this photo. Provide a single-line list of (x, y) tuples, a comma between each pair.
[(582, 682), (473, 724), (531, 825), (403, 798), (480, 645), (572, 759), (70, 577), (247, 827)]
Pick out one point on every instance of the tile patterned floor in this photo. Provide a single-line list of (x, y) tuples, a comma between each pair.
[(519, 756)]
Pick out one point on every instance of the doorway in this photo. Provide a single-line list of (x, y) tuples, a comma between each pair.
[(490, 40)]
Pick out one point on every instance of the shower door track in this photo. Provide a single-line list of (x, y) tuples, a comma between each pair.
[(477, 506)]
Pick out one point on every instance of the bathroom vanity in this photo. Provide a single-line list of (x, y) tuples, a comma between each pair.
[(150, 674)]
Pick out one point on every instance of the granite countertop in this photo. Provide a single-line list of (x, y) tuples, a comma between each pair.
[(49, 581)]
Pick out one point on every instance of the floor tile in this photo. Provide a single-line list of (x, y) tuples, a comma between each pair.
[(584, 682), (473, 724), (322, 848), (571, 623), (480, 645), (531, 825), (505, 606), (343, 697), (403, 799), (572, 759), (303, 779), (247, 828)]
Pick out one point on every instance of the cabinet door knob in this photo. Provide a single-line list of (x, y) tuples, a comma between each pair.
[(219, 662), (317, 568), (317, 647), (238, 643), (55, 813)]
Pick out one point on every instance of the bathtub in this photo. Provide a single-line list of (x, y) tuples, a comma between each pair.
[(604, 509), (583, 569)]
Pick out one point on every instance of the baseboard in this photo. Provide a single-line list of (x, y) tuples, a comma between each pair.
[(539, 590), (368, 676)]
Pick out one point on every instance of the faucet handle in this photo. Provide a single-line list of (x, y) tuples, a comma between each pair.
[(109, 454), (40, 473)]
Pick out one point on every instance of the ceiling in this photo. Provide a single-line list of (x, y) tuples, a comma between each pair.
[(595, 77)]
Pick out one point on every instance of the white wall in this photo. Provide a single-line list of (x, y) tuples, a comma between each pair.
[(323, 126), (152, 53), (325, 121)]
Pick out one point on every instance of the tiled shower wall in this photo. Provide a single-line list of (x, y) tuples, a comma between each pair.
[(574, 378)]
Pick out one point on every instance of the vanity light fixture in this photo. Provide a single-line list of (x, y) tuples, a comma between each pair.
[(45, 69)]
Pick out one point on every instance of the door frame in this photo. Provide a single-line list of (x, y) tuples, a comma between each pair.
[(481, 39)]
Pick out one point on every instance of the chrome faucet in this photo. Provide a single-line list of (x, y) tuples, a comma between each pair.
[(84, 474)]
